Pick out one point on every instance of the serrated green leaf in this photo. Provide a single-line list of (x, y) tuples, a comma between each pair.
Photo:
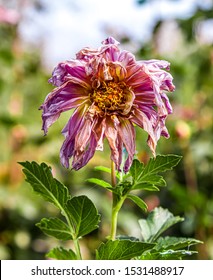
[(43, 183), (138, 201), (154, 180), (145, 187), (55, 227), (148, 175), (136, 169), (121, 249), (171, 248), (167, 255), (83, 215), (99, 182), (60, 253), (127, 237), (175, 243), (149, 180), (161, 163), (156, 223)]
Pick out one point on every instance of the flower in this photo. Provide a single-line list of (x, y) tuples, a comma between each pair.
[(9, 16), (111, 93)]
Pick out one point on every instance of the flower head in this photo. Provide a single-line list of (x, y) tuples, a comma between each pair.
[(111, 92)]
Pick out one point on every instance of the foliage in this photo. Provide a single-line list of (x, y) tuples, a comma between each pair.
[(81, 215)]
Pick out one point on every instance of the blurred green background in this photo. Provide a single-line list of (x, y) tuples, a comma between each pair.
[(23, 87)]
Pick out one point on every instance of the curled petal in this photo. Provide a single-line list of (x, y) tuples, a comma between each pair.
[(72, 70), (127, 135), (147, 124), (156, 64), (62, 99), (70, 130), (99, 131), (111, 133), (81, 159), (110, 40)]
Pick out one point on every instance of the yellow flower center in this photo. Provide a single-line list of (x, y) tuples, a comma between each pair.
[(110, 96)]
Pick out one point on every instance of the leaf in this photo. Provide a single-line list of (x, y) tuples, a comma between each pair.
[(138, 201), (43, 183), (136, 169), (145, 187), (175, 243), (154, 179), (167, 255), (101, 183), (171, 248), (83, 215), (156, 223), (151, 180), (161, 163), (147, 176), (107, 170), (121, 249), (60, 253), (103, 168), (55, 227)]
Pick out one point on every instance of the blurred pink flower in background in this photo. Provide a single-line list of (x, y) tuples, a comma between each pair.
[(9, 16)]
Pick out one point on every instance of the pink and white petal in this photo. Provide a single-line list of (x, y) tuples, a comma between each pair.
[(138, 78), (167, 103), (110, 41), (117, 71), (141, 119), (145, 99), (72, 70), (75, 122), (127, 106), (99, 132), (126, 58), (80, 160), (82, 137), (155, 64), (72, 127), (67, 151), (111, 133), (126, 132), (60, 100)]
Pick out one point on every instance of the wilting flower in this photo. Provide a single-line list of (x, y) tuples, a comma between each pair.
[(111, 92)]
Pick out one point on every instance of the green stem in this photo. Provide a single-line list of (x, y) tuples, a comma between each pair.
[(76, 241), (115, 209), (77, 249), (117, 202)]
